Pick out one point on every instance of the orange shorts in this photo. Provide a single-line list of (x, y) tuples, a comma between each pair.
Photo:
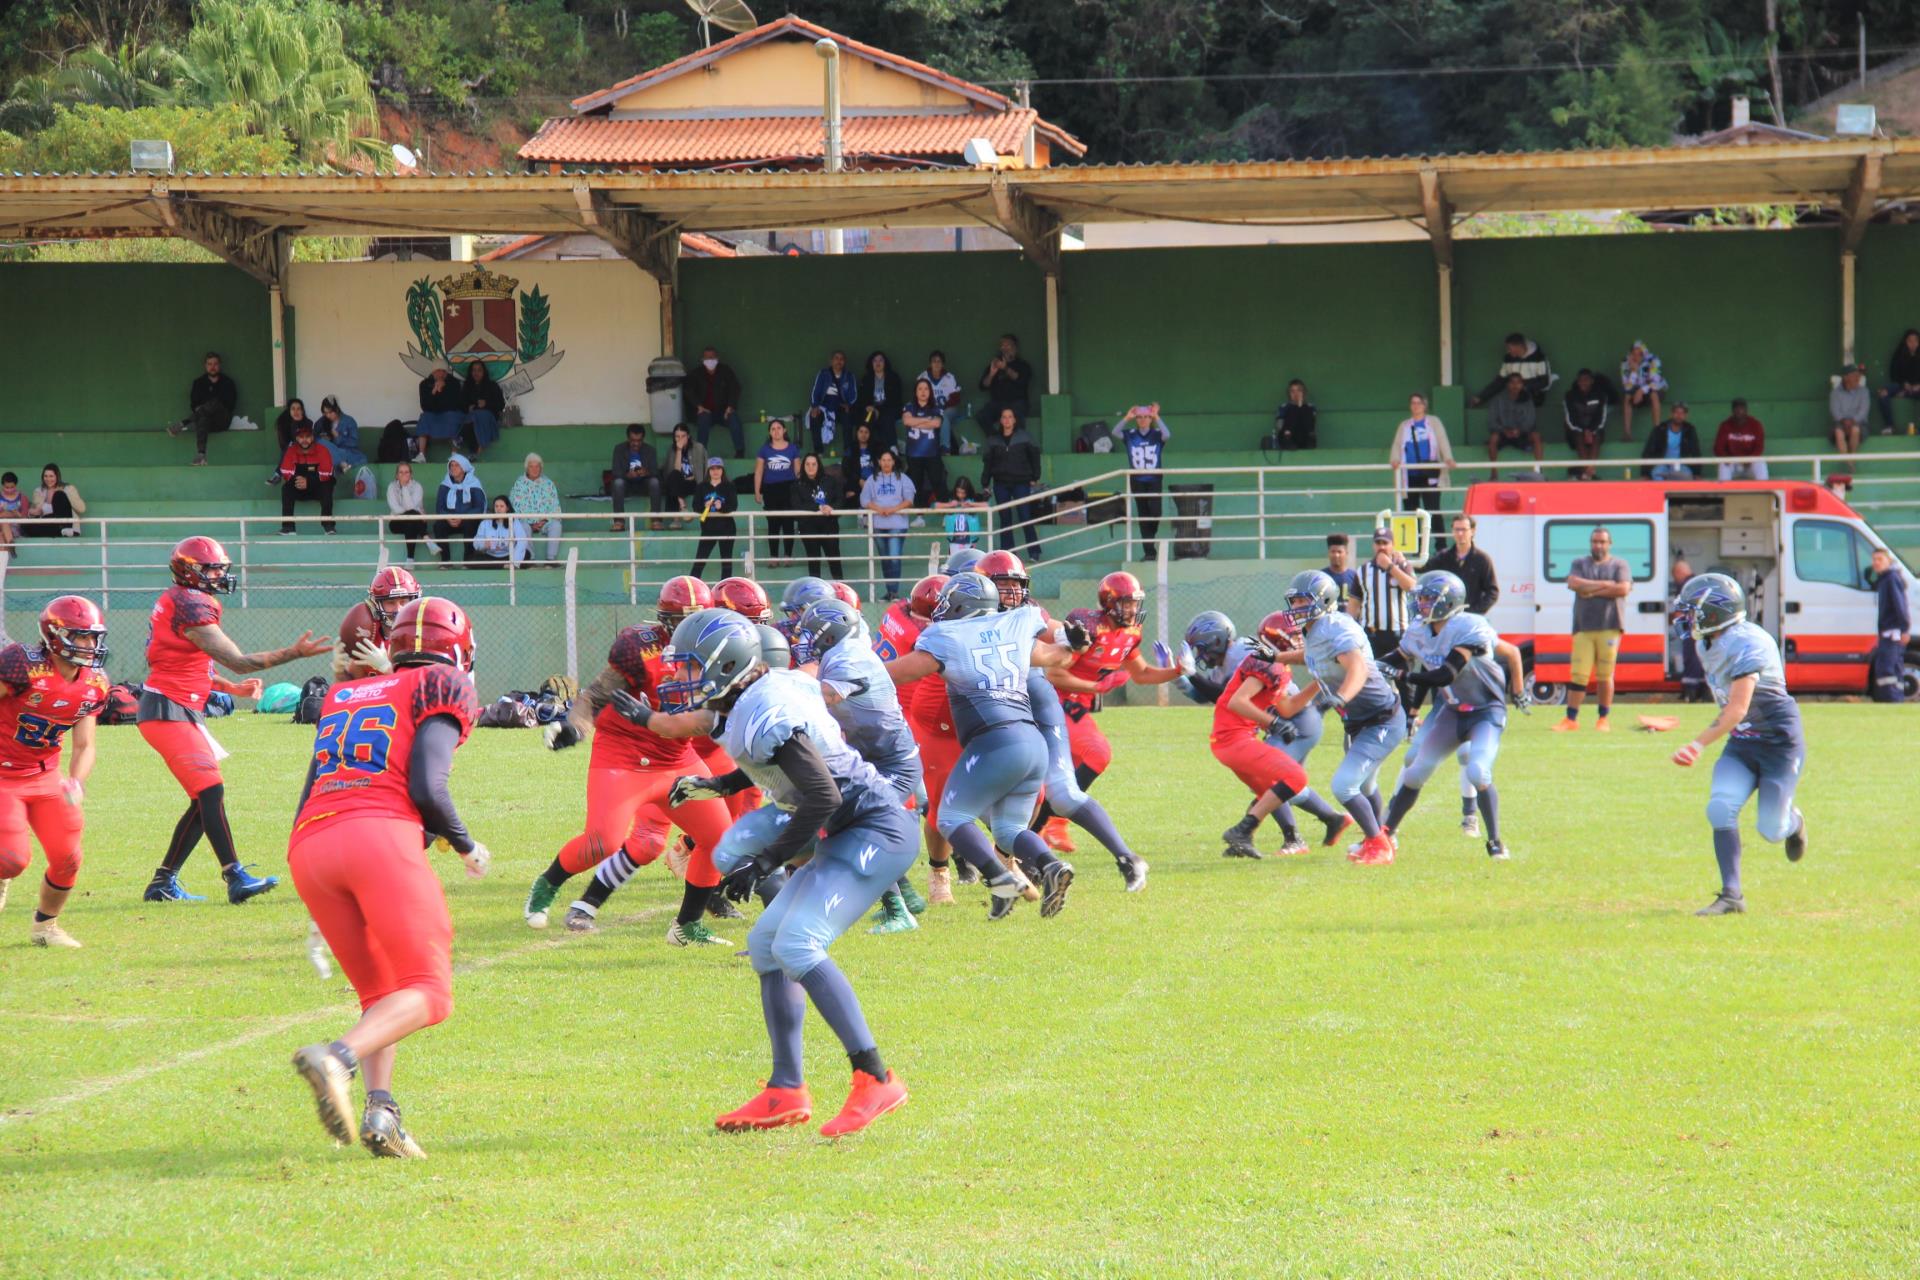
[(368, 885), (34, 802), (188, 753), (633, 802), (1259, 765), (1089, 745)]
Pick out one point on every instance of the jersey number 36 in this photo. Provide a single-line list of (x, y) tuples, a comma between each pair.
[(359, 739)]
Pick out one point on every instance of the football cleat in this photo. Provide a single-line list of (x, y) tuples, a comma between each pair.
[(911, 896), (1724, 904), (966, 873), (867, 1101), (894, 916), (332, 1086), (580, 919), (382, 1133), (940, 886), (1796, 843), (1058, 838), (1566, 725), (48, 933), (773, 1107), (1470, 826), (1134, 872), (1497, 850), (1376, 851), (718, 908), (166, 887), (1293, 848), (1058, 877), (1602, 725), (539, 900), (1020, 879), (243, 884), (1005, 896), (694, 935), (317, 953), (1336, 827), (1239, 843)]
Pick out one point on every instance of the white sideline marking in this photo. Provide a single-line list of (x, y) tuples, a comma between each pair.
[(107, 1084)]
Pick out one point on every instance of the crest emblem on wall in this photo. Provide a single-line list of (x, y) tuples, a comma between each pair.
[(477, 318)]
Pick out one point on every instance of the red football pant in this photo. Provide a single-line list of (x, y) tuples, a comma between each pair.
[(188, 754), (938, 756), (1259, 765), (368, 885), (1088, 744), (617, 797), (35, 801)]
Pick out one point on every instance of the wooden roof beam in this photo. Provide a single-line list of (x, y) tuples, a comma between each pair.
[(648, 242), (1856, 209), (1034, 229), (261, 251), (1437, 212)]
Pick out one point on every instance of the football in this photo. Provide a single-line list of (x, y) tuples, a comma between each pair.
[(358, 625)]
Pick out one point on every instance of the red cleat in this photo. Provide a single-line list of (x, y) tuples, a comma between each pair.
[(868, 1100), (772, 1108), (1058, 838), (1376, 851)]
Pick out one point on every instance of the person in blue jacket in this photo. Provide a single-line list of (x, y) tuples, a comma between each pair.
[(460, 503)]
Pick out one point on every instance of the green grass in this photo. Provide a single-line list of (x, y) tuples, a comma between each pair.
[(1442, 1068)]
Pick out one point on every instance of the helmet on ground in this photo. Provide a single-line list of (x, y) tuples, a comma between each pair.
[(1312, 595), (711, 655), (1008, 574), (846, 594), (926, 594), (1280, 631), (962, 559), (203, 564), (680, 597), (774, 649), (392, 588), (826, 623), (1708, 605), (1121, 596), (1438, 596), (802, 592), (73, 628), (966, 595), (432, 629), (745, 597), (1210, 635)]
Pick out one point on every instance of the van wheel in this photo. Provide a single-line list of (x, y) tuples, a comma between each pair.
[(1549, 695), (1910, 682)]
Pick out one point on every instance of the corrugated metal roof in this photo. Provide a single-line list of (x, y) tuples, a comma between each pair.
[(768, 139)]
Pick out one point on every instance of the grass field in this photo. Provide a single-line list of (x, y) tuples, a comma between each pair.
[(1443, 1068)]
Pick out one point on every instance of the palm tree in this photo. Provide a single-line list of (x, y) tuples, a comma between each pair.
[(127, 77)]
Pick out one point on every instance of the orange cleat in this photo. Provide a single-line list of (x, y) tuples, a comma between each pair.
[(868, 1100), (1058, 838), (1376, 851), (1602, 726), (772, 1108), (1566, 725)]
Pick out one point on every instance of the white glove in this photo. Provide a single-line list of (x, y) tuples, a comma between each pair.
[(1186, 659), (690, 787), (342, 661), (374, 657), (73, 790), (477, 860)]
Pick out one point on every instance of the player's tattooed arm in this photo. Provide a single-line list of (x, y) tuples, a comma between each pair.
[(595, 696), (675, 725), (219, 646)]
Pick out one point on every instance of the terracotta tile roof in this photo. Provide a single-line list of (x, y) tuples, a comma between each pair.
[(768, 139)]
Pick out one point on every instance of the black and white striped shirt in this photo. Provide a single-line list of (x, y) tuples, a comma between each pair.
[(1383, 602)]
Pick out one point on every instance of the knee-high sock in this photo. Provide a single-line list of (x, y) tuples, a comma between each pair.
[(1283, 818), (1490, 811), (833, 996), (1726, 852), (1095, 821), (186, 834), (1467, 798), (1033, 851), (1363, 815), (1404, 798), (1378, 802), (972, 847), (608, 876), (693, 901), (213, 817), (1311, 801), (784, 1005)]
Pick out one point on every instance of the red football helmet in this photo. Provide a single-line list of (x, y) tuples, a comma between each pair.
[(69, 620), (203, 564), (433, 629), (1121, 596), (393, 588), (1280, 630), (926, 594), (1009, 575), (745, 597), (361, 623), (847, 594), (680, 597)]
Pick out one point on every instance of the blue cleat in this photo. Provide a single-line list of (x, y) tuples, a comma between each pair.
[(165, 887), (241, 885)]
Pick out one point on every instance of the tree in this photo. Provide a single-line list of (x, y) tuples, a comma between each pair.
[(93, 139)]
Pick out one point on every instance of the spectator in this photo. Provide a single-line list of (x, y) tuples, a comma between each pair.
[(635, 471), (290, 419), (1585, 409), (1296, 423), (1599, 582), (484, 402), (820, 530), (54, 507), (861, 461), (773, 475), (1847, 406), (1893, 627), (1385, 579), (1524, 357), (1641, 382), (886, 495), (443, 406), (962, 522), (1741, 436), (835, 390), (1683, 663), (1669, 442), (500, 537), (1345, 576), (1007, 382), (211, 403), (405, 502), (13, 505), (1470, 564), (881, 399), (536, 499), (1012, 466), (1903, 379), (684, 470), (946, 397), (306, 475), (1513, 423), (1421, 456), (717, 501), (714, 391), (921, 418), (340, 432), (1144, 435), (459, 502)]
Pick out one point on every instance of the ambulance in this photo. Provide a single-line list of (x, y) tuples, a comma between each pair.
[(1799, 550)]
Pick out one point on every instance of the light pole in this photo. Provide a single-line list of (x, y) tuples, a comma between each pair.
[(830, 54)]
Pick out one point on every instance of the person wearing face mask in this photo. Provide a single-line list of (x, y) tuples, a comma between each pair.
[(713, 389)]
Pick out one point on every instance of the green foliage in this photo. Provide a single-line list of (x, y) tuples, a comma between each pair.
[(1512, 226), (1762, 217), (98, 139), (145, 249), (423, 316), (536, 319)]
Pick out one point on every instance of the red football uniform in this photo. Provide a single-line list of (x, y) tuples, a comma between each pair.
[(175, 665), (37, 707), (638, 655), (1237, 741), (1113, 646), (363, 742)]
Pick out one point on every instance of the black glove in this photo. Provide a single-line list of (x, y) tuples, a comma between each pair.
[(740, 883), (631, 709), (1393, 667), (1078, 637), (561, 734), (1283, 730)]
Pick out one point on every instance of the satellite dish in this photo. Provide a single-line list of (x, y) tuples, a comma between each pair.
[(403, 156), (728, 15)]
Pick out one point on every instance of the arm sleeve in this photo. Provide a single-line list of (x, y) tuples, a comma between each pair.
[(816, 796), (427, 770)]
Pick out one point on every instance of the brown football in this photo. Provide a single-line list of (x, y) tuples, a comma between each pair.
[(358, 625)]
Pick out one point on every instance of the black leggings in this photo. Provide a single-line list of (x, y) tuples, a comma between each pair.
[(710, 548), (929, 476), (411, 530), (782, 530), (1146, 514), (50, 527)]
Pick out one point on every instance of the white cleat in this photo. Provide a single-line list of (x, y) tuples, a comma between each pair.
[(1470, 826), (48, 933), (4, 886)]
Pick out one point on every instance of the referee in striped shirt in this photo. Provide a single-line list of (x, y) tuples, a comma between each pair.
[(1384, 583)]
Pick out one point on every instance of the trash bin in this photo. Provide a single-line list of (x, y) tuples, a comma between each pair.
[(665, 377), (1192, 520)]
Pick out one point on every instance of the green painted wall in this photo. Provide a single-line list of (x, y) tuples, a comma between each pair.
[(87, 346), (1887, 300)]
